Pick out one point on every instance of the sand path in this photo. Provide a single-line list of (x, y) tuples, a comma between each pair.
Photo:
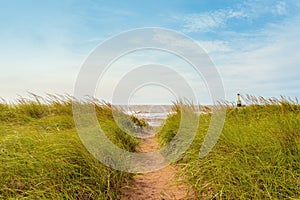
[(161, 184)]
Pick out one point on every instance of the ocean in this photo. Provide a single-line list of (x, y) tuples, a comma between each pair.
[(154, 115)]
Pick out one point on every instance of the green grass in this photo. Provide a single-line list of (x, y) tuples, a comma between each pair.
[(256, 157), (42, 157)]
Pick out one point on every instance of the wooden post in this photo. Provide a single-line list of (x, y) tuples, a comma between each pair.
[(239, 102)]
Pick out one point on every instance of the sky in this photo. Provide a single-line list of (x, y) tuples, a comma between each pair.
[(253, 44)]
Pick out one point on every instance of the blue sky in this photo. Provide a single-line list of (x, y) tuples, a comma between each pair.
[(254, 44)]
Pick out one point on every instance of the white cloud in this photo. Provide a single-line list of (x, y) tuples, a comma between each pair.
[(209, 20), (215, 46), (280, 8), (247, 11), (202, 22), (269, 68)]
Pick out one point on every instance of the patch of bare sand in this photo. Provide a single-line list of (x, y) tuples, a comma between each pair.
[(161, 184)]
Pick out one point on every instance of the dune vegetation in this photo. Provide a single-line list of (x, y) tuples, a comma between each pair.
[(42, 157), (256, 157)]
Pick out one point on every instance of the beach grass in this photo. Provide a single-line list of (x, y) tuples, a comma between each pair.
[(256, 157), (42, 157)]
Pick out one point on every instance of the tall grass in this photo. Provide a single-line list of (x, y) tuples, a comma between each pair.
[(42, 157), (256, 157)]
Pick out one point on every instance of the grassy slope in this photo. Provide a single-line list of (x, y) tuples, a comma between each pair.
[(41, 156), (256, 157)]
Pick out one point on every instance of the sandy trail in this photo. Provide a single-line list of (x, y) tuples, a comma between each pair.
[(161, 184)]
